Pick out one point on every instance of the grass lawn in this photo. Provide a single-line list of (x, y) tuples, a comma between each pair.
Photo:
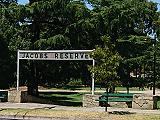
[(74, 98), (158, 104), (97, 87), (64, 98), (130, 89), (68, 114)]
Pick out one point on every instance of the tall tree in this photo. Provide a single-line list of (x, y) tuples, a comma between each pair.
[(6, 32), (52, 26), (128, 23), (64, 24), (107, 63)]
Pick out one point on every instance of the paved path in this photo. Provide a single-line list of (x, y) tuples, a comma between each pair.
[(57, 107)]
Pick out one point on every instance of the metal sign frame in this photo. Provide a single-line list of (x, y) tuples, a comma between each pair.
[(54, 55)]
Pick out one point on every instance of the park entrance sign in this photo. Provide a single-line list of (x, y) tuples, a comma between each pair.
[(54, 55)]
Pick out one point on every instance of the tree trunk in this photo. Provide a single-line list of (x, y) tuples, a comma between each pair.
[(127, 89), (128, 77), (112, 89), (33, 81)]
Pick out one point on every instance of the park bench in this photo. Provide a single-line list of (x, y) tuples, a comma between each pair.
[(115, 97), (3, 96)]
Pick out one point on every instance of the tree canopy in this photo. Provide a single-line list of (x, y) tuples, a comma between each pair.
[(69, 24)]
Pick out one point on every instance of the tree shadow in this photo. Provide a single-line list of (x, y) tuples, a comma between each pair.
[(121, 112), (62, 98)]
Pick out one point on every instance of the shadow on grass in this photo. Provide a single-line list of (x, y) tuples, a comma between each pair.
[(63, 98), (59, 93), (67, 87), (121, 112)]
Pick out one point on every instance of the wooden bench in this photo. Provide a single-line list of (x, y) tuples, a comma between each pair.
[(115, 97)]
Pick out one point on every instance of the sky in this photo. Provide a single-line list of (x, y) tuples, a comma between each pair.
[(157, 1), (26, 1), (23, 1)]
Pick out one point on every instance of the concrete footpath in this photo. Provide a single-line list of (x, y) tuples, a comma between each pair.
[(58, 107), (32, 106)]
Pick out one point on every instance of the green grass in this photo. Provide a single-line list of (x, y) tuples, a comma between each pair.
[(130, 89), (96, 88), (63, 98), (76, 88), (158, 105), (73, 98)]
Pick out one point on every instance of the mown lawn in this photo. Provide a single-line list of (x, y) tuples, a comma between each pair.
[(72, 98), (63, 98), (97, 88)]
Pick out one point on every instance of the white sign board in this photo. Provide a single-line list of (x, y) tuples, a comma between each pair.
[(56, 55)]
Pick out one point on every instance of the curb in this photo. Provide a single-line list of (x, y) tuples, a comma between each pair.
[(14, 117)]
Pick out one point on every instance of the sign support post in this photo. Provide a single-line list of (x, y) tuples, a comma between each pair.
[(18, 70), (93, 86)]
